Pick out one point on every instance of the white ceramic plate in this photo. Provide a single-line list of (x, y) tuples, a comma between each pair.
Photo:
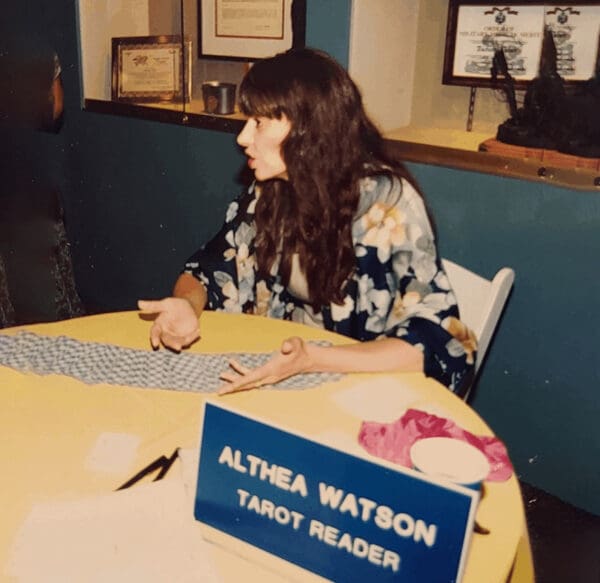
[(450, 459)]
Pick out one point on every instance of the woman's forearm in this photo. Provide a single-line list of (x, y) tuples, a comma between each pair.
[(189, 288), (385, 355)]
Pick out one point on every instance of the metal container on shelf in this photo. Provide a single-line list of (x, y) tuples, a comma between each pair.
[(218, 97)]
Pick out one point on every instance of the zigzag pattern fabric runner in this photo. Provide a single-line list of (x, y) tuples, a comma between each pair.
[(94, 363)]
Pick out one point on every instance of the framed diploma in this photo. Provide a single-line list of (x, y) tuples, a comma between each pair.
[(247, 30), (477, 29), (151, 69)]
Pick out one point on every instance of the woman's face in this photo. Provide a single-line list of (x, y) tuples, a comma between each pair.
[(261, 139)]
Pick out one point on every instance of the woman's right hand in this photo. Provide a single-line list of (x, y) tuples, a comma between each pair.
[(176, 325)]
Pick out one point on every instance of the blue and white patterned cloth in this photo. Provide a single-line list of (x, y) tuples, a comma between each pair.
[(94, 363)]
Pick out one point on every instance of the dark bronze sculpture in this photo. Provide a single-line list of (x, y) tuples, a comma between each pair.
[(539, 123), (583, 117), (552, 117)]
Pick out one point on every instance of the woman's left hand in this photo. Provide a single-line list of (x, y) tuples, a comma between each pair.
[(292, 359)]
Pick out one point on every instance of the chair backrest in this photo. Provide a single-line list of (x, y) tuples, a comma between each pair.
[(480, 301)]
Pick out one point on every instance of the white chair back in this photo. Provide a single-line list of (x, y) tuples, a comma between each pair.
[(480, 301)]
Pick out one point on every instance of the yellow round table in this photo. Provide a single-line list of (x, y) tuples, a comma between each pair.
[(50, 424)]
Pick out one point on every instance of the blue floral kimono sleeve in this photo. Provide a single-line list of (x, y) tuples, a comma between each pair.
[(401, 288), (226, 264)]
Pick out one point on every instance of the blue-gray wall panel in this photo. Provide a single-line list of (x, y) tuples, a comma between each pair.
[(539, 386)]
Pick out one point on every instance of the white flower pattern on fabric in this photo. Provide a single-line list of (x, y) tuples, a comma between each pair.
[(230, 292), (384, 230), (398, 288), (342, 312), (232, 211), (374, 302)]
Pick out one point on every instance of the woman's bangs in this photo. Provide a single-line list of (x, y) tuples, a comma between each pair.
[(255, 102)]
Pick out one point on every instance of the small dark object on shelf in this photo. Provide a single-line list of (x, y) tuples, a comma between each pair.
[(583, 115), (551, 118), (540, 122)]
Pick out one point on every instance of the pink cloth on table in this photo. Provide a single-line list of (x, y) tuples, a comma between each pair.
[(392, 441)]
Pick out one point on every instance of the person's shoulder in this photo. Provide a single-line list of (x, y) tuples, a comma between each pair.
[(384, 187)]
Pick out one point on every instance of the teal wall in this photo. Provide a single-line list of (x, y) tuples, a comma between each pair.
[(539, 386), (140, 196)]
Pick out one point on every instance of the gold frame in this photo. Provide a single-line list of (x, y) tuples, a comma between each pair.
[(137, 51)]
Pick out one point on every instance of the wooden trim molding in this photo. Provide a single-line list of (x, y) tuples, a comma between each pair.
[(523, 168), (168, 114)]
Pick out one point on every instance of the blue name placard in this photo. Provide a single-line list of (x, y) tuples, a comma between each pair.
[(335, 514)]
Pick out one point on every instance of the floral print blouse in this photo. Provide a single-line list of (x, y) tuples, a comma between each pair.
[(398, 289)]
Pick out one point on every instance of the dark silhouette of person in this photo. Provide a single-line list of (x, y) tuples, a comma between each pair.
[(36, 277)]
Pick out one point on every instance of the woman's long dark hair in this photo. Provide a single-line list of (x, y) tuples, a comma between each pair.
[(332, 144)]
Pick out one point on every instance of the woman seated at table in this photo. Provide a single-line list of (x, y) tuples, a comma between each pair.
[(332, 233)]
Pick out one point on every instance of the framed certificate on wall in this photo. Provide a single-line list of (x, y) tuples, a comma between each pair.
[(149, 69), (248, 30), (477, 29)]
